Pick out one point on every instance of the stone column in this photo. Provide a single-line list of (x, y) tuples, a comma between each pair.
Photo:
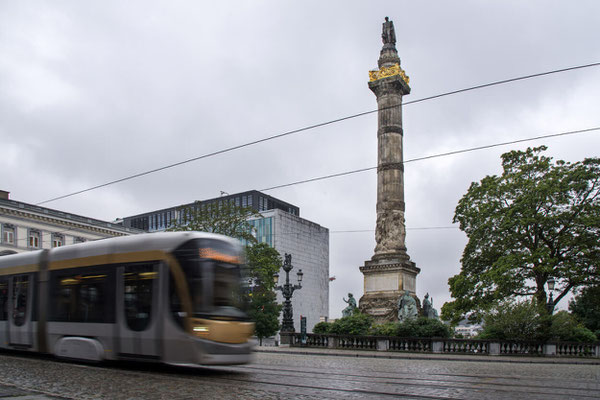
[(390, 272)]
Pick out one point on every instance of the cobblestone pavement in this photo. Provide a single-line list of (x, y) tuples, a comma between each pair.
[(299, 376)]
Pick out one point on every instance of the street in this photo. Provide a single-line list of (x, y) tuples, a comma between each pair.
[(298, 376)]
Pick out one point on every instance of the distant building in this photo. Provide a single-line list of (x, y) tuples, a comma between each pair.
[(467, 330), (281, 228), (26, 227)]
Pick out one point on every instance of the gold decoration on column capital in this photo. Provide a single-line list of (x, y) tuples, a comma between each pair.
[(385, 72)]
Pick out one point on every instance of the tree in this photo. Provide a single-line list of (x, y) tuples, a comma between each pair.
[(536, 221), (586, 308), (263, 262), (222, 217)]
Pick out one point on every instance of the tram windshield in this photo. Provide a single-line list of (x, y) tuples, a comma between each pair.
[(213, 273)]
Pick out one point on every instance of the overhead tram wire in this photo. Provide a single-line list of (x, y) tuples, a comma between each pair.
[(450, 153), (310, 127)]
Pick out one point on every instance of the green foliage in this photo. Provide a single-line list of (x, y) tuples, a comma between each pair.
[(387, 329), (566, 328), (221, 217), (262, 262), (515, 321), (322, 327), (264, 311), (586, 307), (536, 221), (417, 327), (528, 321), (356, 324), (424, 327)]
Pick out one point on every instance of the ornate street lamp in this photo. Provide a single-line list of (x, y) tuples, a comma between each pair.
[(550, 304), (287, 290)]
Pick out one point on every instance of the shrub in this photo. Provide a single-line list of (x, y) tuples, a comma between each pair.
[(429, 327), (519, 321), (424, 327), (356, 324), (322, 327), (419, 327), (566, 328), (387, 329)]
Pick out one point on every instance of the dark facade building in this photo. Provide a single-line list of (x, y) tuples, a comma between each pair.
[(160, 220)]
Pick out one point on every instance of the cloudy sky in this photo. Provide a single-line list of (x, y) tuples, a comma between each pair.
[(91, 92)]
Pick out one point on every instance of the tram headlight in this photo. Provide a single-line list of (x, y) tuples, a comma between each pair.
[(201, 330)]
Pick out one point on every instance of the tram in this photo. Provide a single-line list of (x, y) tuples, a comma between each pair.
[(172, 297)]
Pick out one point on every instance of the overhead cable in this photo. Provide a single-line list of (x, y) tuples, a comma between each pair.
[(356, 171), (288, 133)]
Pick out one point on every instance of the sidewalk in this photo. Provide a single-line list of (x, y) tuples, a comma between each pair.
[(424, 356)]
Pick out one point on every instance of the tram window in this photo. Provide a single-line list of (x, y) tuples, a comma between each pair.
[(83, 296), (138, 285), (20, 295), (3, 299)]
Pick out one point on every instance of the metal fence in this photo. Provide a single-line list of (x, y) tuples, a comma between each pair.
[(440, 345)]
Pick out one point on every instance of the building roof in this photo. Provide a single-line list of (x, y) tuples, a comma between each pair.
[(19, 208)]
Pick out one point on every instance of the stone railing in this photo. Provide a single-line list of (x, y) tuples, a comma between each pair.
[(440, 345)]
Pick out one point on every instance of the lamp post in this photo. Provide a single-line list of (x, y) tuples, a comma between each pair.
[(287, 290), (550, 303)]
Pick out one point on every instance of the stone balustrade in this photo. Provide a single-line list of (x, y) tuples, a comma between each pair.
[(445, 346)]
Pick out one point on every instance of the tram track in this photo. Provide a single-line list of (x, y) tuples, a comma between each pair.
[(478, 383), (522, 382), (297, 381)]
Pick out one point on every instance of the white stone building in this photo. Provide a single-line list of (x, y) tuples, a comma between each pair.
[(308, 243), (26, 227)]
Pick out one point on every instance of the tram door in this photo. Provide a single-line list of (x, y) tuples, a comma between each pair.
[(20, 308), (138, 316)]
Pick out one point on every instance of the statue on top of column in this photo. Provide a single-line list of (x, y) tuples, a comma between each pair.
[(388, 35)]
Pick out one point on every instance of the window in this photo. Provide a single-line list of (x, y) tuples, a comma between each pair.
[(82, 295), (8, 234), (3, 299), (34, 239), (57, 240), (78, 240), (19, 298), (138, 288)]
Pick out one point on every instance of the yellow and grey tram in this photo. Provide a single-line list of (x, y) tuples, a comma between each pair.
[(172, 297)]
